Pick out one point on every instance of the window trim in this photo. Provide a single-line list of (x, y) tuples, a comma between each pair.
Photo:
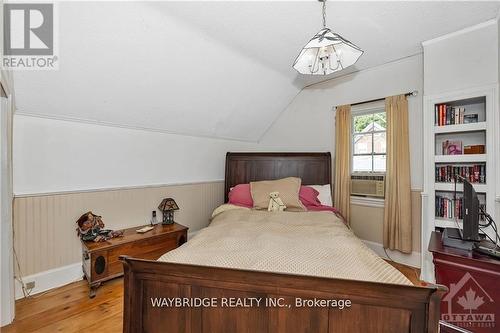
[(369, 108)]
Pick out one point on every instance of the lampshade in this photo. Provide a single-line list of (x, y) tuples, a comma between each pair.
[(168, 204), (326, 53)]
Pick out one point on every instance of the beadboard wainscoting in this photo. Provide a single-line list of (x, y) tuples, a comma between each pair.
[(49, 251), (45, 237)]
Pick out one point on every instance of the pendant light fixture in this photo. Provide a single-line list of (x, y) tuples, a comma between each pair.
[(326, 53)]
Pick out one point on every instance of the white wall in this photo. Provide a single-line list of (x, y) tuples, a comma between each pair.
[(54, 155), (465, 59), (308, 123)]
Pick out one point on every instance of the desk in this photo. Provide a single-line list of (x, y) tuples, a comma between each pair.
[(473, 280)]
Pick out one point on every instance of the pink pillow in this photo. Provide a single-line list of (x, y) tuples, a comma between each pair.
[(309, 196), (240, 195)]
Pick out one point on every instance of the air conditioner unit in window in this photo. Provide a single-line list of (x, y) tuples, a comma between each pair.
[(368, 185)]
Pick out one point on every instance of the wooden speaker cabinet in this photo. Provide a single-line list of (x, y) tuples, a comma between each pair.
[(100, 260)]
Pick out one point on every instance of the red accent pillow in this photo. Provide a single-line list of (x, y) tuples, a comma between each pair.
[(240, 195), (309, 197)]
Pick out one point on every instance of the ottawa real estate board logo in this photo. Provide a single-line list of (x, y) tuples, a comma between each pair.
[(29, 36), (468, 305)]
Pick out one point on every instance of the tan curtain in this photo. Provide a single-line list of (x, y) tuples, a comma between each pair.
[(342, 194), (397, 214)]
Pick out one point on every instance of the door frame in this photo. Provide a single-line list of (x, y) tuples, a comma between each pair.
[(7, 293)]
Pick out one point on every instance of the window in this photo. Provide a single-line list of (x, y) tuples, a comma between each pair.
[(369, 141)]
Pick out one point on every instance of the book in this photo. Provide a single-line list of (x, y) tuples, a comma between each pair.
[(474, 149), (452, 147), (470, 118)]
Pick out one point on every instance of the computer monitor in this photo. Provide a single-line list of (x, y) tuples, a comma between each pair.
[(470, 213)]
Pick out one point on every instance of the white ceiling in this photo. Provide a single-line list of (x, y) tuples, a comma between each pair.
[(217, 69)]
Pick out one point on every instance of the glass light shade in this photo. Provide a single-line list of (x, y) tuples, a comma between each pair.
[(326, 53), (168, 204)]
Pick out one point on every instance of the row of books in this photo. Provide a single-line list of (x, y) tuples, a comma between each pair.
[(473, 173), (451, 115), (449, 208)]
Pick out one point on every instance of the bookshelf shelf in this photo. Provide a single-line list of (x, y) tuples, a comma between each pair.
[(465, 158), (446, 223), (450, 187), (461, 128)]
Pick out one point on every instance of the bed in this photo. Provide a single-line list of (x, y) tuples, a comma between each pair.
[(239, 258)]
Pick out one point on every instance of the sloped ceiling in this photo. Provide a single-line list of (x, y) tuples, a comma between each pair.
[(216, 69)]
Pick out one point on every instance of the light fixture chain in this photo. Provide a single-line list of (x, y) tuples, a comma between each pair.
[(324, 13)]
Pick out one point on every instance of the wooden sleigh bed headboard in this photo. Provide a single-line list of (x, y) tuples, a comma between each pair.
[(242, 168)]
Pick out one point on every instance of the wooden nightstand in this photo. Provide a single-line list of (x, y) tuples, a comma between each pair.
[(100, 260), (472, 280)]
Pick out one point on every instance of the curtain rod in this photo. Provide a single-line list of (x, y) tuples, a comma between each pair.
[(412, 93)]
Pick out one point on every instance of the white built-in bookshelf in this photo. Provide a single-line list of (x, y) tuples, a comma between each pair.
[(459, 138)]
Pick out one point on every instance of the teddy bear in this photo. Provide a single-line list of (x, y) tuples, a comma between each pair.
[(275, 203)]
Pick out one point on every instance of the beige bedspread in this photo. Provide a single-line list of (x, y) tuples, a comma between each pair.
[(305, 243)]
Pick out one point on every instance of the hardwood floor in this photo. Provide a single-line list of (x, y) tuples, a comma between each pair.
[(69, 309)]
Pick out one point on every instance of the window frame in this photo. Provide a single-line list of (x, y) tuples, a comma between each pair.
[(371, 109)]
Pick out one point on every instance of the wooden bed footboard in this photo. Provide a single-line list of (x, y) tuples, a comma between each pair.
[(167, 297)]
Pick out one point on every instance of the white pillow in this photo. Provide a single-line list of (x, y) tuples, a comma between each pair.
[(325, 194)]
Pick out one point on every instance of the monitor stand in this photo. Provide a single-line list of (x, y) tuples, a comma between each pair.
[(453, 238)]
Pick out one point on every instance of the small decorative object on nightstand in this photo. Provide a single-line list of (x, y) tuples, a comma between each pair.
[(153, 220), (167, 207)]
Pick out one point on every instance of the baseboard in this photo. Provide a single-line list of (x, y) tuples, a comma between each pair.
[(57, 277), (50, 279), (412, 259)]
